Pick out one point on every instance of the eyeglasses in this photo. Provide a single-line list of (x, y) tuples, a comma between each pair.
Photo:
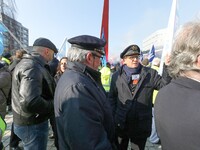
[(133, 57), (95, 55)]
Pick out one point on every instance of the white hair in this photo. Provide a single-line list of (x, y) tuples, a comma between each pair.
[(77, 54), (185, 50)]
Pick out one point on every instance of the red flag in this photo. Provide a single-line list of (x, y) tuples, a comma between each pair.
[(104, 26)]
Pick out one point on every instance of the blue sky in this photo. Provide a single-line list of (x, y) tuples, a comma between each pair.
[(130, 21)]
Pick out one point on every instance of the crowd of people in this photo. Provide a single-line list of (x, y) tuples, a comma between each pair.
[(107, 108)]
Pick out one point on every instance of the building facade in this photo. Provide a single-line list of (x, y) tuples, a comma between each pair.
[(157, 39), (19, 32)]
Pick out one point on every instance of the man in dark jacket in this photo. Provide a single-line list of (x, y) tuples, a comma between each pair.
[(177, 114), (130, 95), (83, 114), (14, 139), (32, 95)]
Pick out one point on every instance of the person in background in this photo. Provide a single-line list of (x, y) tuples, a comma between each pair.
[(61, 68), (83, 114), (32, 95), (145, 62), (5, 86), (18, 56), (53, 66), (154, 137), (6, 58), (177, 114), (130, 96), (106, 77)]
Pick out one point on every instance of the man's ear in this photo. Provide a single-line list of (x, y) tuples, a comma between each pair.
[(198, 61), (89, 58), (46, 51)]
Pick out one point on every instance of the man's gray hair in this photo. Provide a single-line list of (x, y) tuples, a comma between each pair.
[(185, 50), (77, 54)]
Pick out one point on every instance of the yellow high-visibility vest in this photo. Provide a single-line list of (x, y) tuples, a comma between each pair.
[(3, 126), (6, 60), (105, 78)]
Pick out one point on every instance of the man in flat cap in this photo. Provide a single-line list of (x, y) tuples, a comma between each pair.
[(130, 95), (83, 114), (32, 95)]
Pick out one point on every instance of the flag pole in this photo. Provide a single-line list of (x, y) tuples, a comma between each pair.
[(65, 40), (171, 29), (105, 27), (60, 51), (13, 35)]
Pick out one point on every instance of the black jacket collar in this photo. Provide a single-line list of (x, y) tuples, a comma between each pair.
[(37, 57), (86, 70)]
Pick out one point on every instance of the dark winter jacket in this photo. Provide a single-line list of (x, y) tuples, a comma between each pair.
[(83, 114), (32, 91), (177, 115), (132, 110), (5, 86)]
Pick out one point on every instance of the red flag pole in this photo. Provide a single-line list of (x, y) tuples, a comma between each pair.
[(104, 26)]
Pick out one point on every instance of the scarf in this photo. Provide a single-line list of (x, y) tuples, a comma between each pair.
[(131, 71)]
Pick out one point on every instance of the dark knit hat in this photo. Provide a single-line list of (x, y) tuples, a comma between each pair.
[(45, 43)]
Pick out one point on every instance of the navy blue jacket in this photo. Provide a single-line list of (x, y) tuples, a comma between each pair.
[(83, 114)]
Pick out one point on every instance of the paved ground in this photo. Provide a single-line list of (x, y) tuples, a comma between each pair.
[(50, 146)]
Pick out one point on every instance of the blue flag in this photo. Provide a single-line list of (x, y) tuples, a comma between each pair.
[(1, 43), (151, 54), (2, 30), (103, 61)]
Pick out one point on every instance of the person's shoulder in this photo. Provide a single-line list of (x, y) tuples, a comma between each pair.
[(116, 73), (28, 65)]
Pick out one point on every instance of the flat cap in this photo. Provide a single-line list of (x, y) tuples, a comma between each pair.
[(88, 42), (130, 50), (45, 43)]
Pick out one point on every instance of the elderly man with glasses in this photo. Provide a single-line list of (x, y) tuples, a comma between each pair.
[(130, 95), (83, 114)]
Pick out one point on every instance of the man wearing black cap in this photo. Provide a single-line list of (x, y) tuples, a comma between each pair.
[(130, 95), (83, 114), (32, 95)]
